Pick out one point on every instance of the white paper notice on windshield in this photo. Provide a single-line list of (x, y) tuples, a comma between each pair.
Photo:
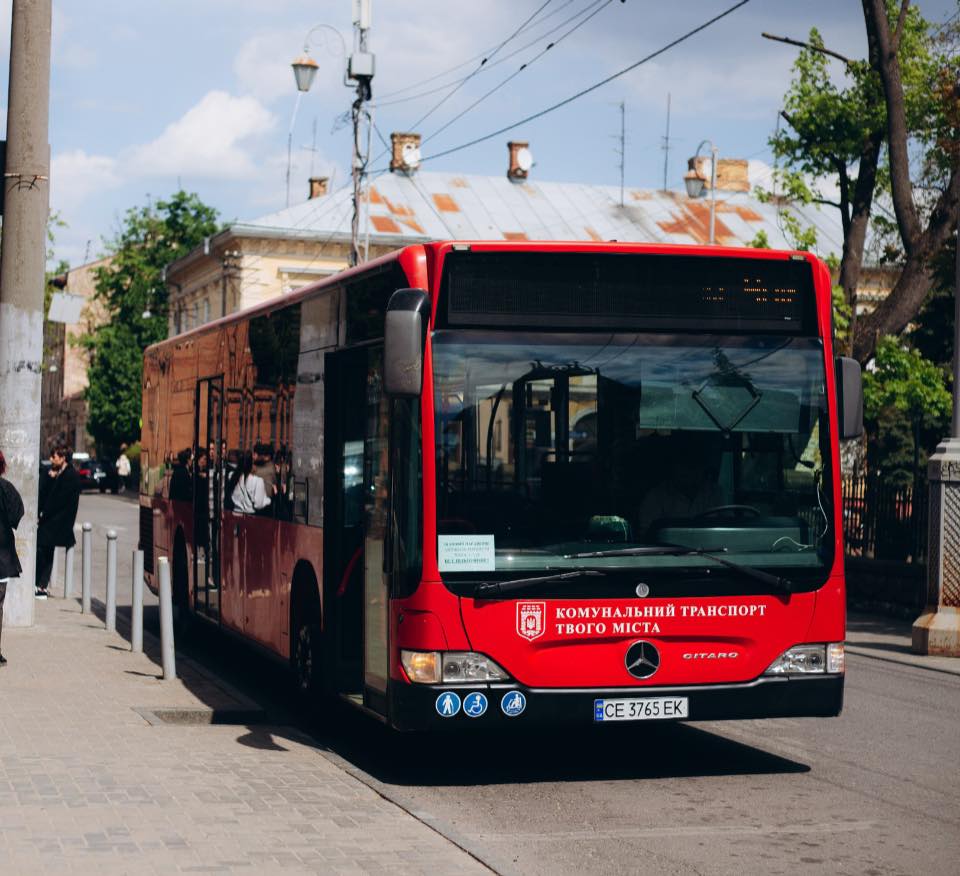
[(466, 553)]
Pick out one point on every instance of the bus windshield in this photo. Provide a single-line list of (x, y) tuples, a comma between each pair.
[(551, 446)]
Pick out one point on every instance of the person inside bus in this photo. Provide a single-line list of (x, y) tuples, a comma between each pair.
[(688, 488), (263, 467), (181, 482), (247, 491)]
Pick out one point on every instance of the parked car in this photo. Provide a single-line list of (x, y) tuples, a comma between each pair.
[(105, 476)]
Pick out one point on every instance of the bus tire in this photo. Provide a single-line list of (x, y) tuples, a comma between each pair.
[(180, 584), (306, 651)]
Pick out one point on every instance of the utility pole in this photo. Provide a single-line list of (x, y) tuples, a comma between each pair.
[(360, 69), (26, 189), (666, 146)]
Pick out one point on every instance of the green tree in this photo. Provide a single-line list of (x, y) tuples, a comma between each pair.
[(903, 389), (132, 289), (903, 95)]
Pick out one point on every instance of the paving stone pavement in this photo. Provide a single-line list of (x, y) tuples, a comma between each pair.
[(88, 785)]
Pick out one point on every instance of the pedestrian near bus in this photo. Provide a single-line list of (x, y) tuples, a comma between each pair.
[(59, 499), (123, 469), (11, 512)]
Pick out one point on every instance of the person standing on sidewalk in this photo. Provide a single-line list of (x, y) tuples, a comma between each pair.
[(123, 469), (59, 499), (11, 512)]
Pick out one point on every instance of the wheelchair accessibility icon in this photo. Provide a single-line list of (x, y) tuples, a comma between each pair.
[(474, 705)]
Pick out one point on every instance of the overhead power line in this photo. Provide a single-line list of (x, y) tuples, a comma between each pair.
[(466, 79), (590, 88), (518, 71), (469, 60), (489, 66)]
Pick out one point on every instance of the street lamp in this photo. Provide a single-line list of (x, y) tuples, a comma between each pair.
[(696, 184), (304, 72)]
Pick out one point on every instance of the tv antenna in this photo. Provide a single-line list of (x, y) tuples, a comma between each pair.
[(666, 146)]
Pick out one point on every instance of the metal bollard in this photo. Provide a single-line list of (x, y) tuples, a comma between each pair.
[(55, 568), (68, 575), (110, 619), (166, 620), (136, 604), (87, 571)]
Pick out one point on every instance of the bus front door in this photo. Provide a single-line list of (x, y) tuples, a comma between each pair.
[(208, 497), (344, 418)]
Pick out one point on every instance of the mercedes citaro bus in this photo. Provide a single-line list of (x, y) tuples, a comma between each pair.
[(515, 482)]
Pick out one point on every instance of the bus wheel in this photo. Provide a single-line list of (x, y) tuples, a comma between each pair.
[(306, 660)]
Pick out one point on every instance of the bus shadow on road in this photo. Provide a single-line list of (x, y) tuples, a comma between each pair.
[(564, 754), (475, 757)]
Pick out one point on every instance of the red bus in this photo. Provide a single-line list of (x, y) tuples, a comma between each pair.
[(503, 483)]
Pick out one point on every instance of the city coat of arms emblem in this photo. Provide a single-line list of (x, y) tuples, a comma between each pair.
[(530, 619)]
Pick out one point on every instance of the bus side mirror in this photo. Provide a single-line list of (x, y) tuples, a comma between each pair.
[(404, 332), (849, 398)]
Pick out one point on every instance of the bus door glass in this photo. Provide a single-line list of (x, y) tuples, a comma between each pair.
[(207, 496)]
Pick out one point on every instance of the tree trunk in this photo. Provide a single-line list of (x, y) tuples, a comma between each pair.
[(919, 243), (853, 243)]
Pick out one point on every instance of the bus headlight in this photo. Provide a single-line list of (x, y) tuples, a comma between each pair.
[(449, 667), (808, 659), (470, 666)]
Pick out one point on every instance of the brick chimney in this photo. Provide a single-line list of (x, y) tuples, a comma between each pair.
[(405, 152), (520, 160), (318, 186), (732, 173)]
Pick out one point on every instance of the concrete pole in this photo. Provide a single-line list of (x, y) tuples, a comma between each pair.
[(937, 630), (136, 604), (26, 186), (166, 620), (110, 617), (86, 573), (68, 574)]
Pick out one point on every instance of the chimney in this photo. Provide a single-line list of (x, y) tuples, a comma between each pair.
[(405, 156), (318, 186), (520, 160), (732, 173)]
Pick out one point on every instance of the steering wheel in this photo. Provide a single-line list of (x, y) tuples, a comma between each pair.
[(731, 510)]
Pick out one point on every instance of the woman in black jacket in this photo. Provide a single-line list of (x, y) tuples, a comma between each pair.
[(11, 511)]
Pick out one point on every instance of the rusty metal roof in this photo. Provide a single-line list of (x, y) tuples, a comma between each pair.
[(430, 205)]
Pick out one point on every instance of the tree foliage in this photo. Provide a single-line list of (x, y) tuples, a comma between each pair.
[(836, 127), (907, 407), (131, 288)]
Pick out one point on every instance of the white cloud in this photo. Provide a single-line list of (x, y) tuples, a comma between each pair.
[(75, 175), (207, 141)]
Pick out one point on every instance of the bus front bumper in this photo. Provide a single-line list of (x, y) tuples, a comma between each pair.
[(426, 707)]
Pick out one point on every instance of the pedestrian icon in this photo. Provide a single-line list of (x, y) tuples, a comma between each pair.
[(513, 703), (448, 704), (474, 705)]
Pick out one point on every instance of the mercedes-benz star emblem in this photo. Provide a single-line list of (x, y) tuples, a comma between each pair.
[(642, 660), (642, 589)]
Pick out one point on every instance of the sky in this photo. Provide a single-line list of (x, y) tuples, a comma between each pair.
[(148, 97)]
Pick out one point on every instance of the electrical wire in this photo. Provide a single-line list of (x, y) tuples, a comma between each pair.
[(520, 70), (590, 88), (497, 63), (466, 79), (473, 58)]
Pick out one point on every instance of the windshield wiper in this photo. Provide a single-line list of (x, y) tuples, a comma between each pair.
[(497, 588), (675, 550)]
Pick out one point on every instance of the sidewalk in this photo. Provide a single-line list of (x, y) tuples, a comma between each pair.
[(887, 638), (92, 781)]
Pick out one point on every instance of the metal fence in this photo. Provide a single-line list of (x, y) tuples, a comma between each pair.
[(885, 523)]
